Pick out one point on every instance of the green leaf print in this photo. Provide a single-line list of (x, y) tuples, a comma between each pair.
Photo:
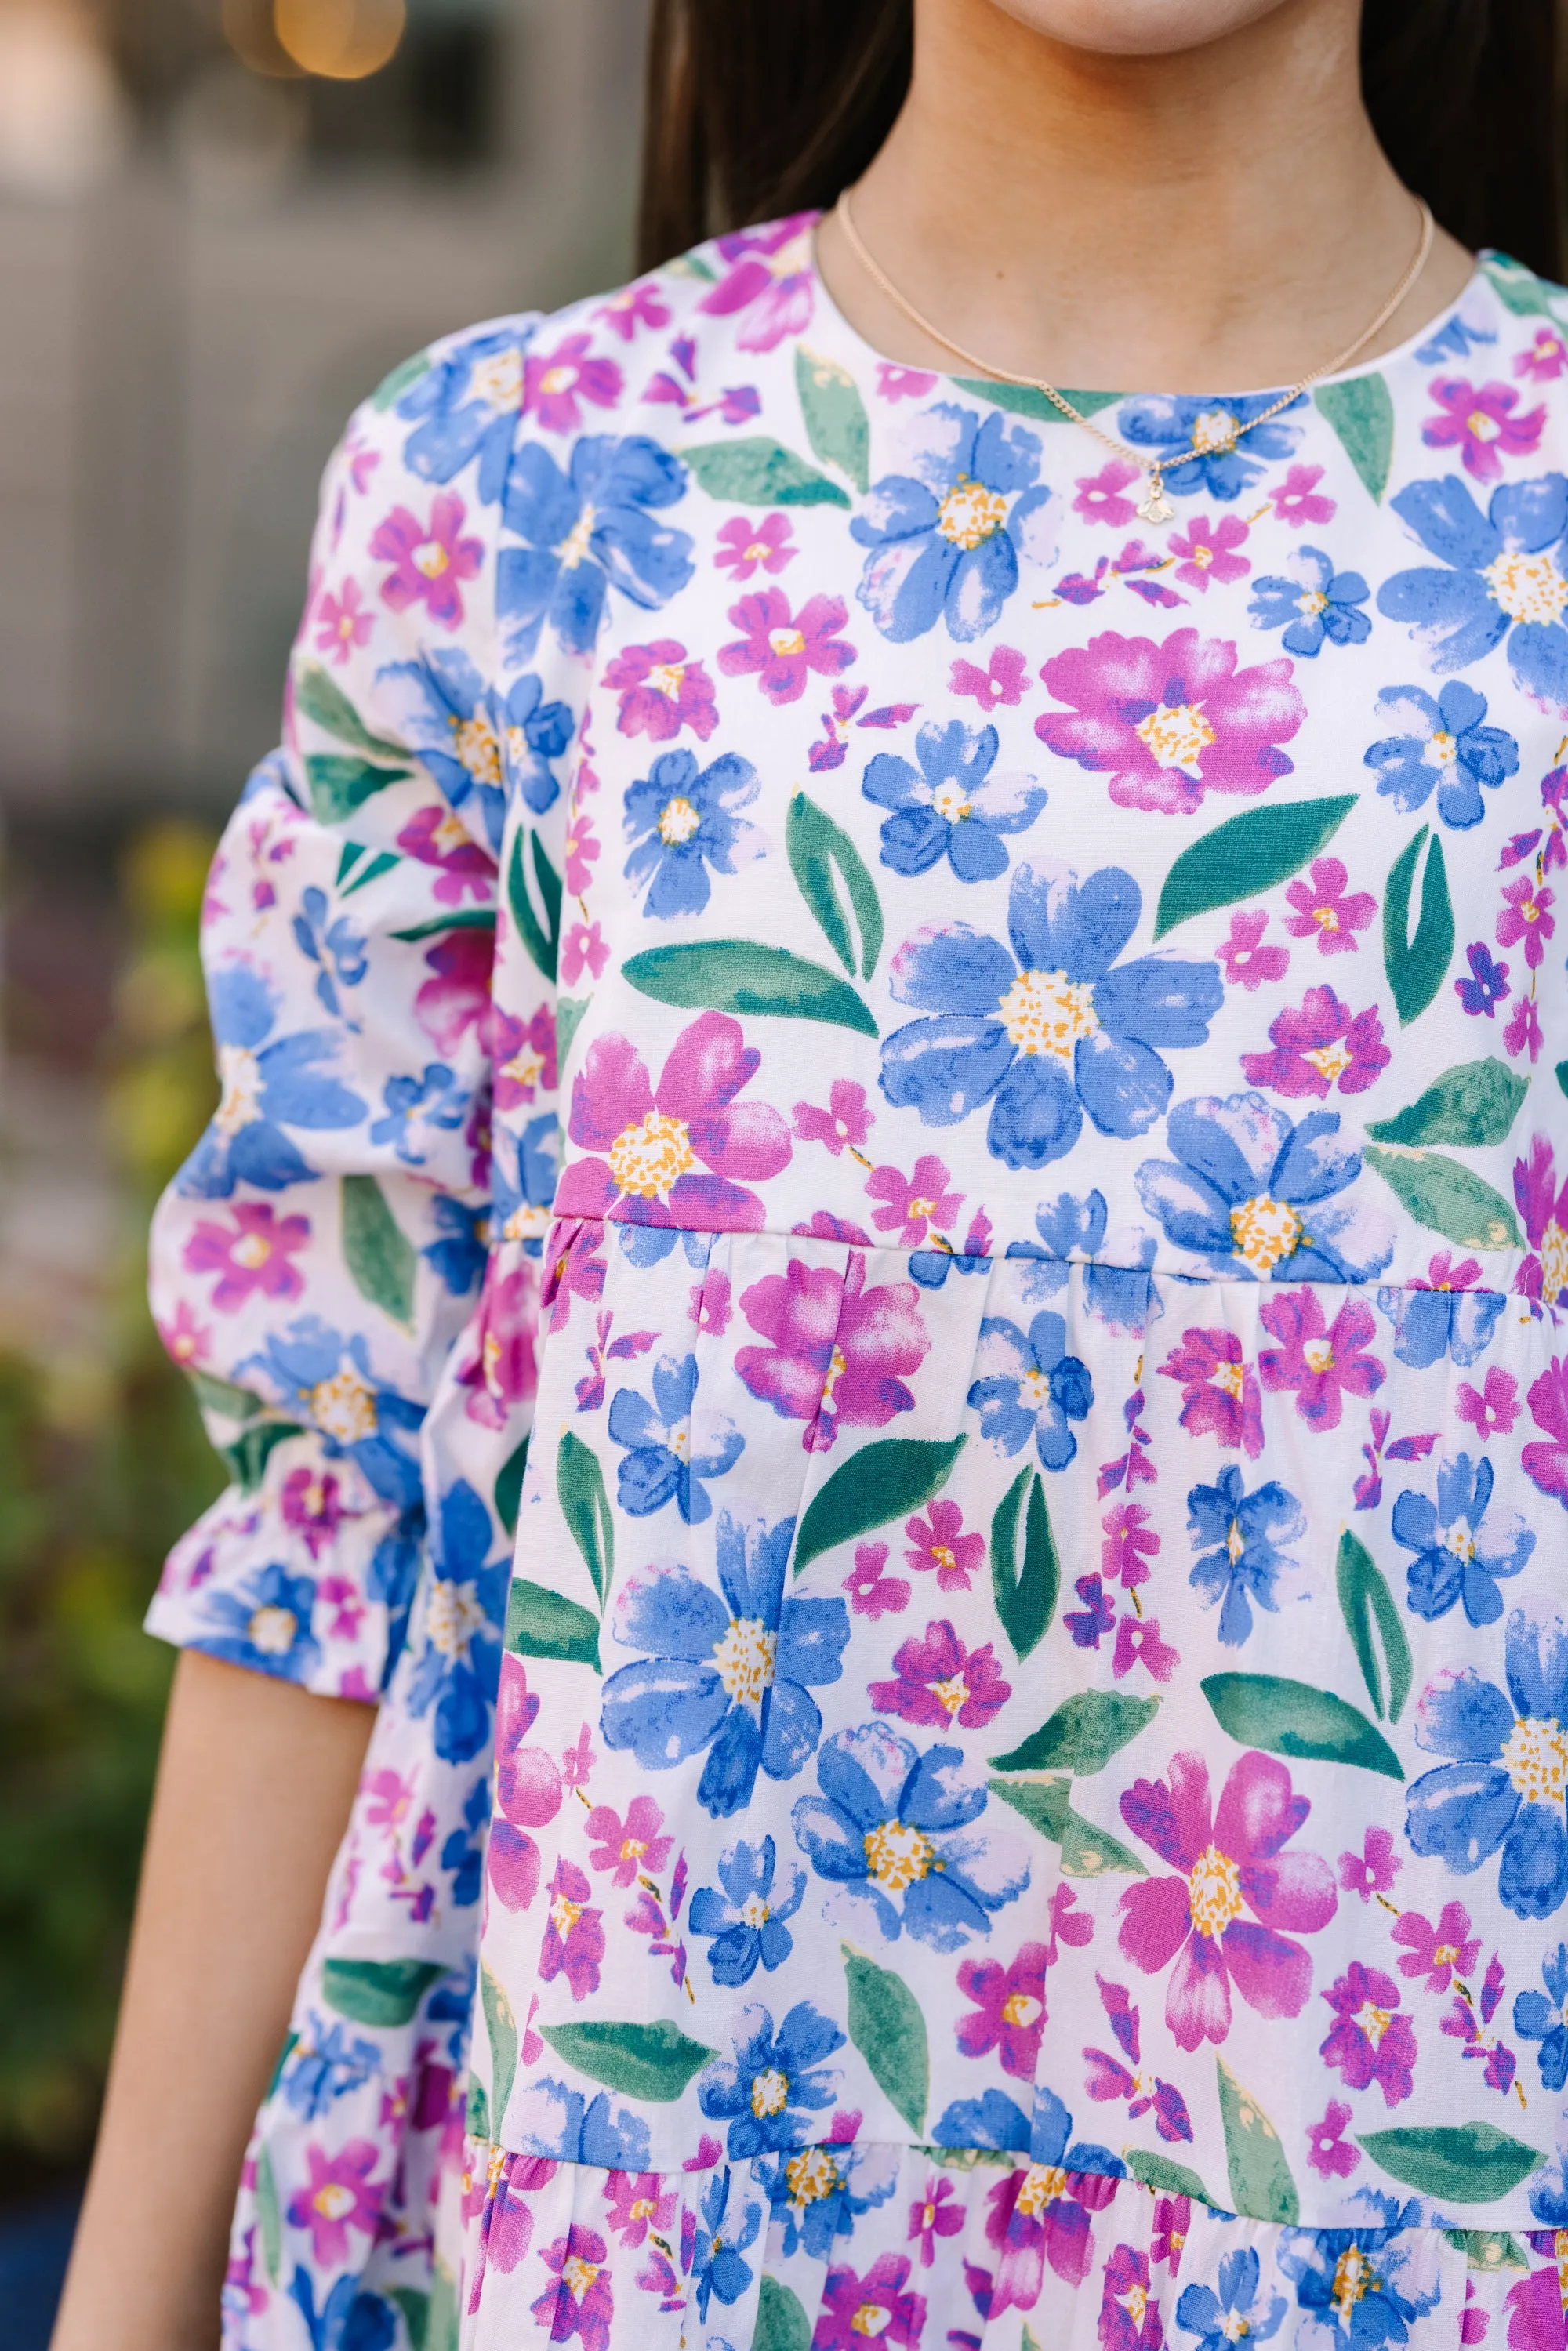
[(1487, 2248), (1082, 1735), (501, 2027), (1165, 2178), (509, 1487), (1086, 1851), (540, 1623), (1372, 1622), (1362, 413), (1446, 1198), (249, 1454), (585, 1506), (1416, 966), (416, 2308), (223, 1396), (472, 918), (338, 785), (322, 700), (1456, 2163), (378, 1991), (393, 386), (1473, 1105), (443, 2325), (381, 1258), (888, 2029), (1247, 855), (1261, 2182), (882, 1482), (1560, 1074), (757, 472), (1023, 400), (542, 939), (382, 862), (1519, 288), (818, 851), (268, 2214), (642, 2061), (837, 425), (781, 2321), (1024, 1590), (568, 1012), (1289, 1718), (739, 977), (476, 2113)]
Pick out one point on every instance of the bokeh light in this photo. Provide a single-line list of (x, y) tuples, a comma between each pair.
[(343, 40)]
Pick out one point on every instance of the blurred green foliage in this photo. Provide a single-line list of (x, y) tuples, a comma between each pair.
[(95, 1485)]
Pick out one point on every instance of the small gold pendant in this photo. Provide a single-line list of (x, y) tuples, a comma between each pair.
[(1156, 506)]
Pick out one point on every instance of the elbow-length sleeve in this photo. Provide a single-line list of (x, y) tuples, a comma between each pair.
[(319, 1264)]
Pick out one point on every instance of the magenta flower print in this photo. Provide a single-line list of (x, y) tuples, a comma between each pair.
[(1005, 679), (1526, 917), (1297, 501), (872, 1593), (339, 2195), (456, 997), (1371, 2042), (711, 1306), (430, 561), (876, 2305), (584, 950), (581, 849), (1374, 1869), (638, 2201), (1207, 551), (1100, 495), (1138, 1642), (573, 1941), (633, 307), (524, 1057), (556, 384), (312, 1504), (942, 1683), (1008, 2012), (1492, 1408), (527, 1791), (581, 2302), (341, 622), (1546, 359), (778, 648), (1323, 907), (1042, 2213), (746, 547), (1229, 1862), (629, 1848), (1220, 1394), (1328, 2151), (499, 1368), (661, 691), (1168, 723), (1546, 1463), (254, 1253), (1318, 1045), (846, 1119), (896, 383), (1483, 422), (1542, 1205), (1318, 1361), (1248, 963), (1129, 2312), (184, 1339), (683, 1153), (916, 1205), (435, 837), (839, 1354), (933, 2216), (1129, 1542), (768, 281), (1437, 1953), (940, 1544)]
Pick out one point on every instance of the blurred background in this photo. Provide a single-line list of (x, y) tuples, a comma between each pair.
[(221, 223)]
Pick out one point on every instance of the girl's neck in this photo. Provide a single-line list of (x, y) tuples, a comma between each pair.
[(1217, 218)]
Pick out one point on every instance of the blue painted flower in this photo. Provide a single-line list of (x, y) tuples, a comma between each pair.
[(549, 2119), (1169, 425), (951, 805), (1258, 1193), (1029, 1385), (992, 2120), (774, 2082), (1045, 2135), (264, 1624), (1050, 1027), (467, 403), (327, 1378), (818, 2194), (1503, 1789), (334, 944), (463, 1851), (458, 1257), (1073, 1232), (683, 820), (1455, 339), (1358, 2283), (412, 1106), (1313, 603), (1501, 578), (660, 1464), (733, 1674), (325, 2064), (890, 1822), (266, 1088), (1543, 2017), (721, 2238), (747, 1925), (587, 531), (1451, 1561), (1220, 2314), (1442, 742), (1488, 985), (484, 748), (1237, 1537), (459, 1636), (1448, 1318), (524, 1171), (946, 535)]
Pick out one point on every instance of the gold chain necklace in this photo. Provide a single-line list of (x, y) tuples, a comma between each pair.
[(1154, 504)]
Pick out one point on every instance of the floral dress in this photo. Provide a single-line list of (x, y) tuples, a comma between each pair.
[(886, 1249)]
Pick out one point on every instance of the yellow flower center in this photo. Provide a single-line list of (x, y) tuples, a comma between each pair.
[(525, 1223), (479, 747), (333, 2200), (1214, 432), (1310, 602), (785, 642), (1043, 2184), (665, 678), (921, 1207), (1034, 1391), (1214, 1891), (497, 381), (452, 1617), (769, 2092), (943, 1556), (1264, 1230), (564, 1914), (949, 801), (644, 2208), (971, 513), (345, 1406), (1553, 1263), (239, 1074), (1528, 587), (1480, 426), (745, 1658), (251, 1251), (871, 2318), (575, 547), (1536, 1759), (837, 1367), (677, 821), (1373, 2021), (1460, 1540), (431, 558), (1353, 2276), (1234, 2327), (952, 1694), (1235, 1541), (646, 1159), (898, 1856), (1046, 1012), (1202, 556), (1317, 1354), (1439, 750), (1021, 2008), (272, 1630), (1446, 1956), (1331, 1060), (632, 1848), (755, 1912), (576, 2276), (525, 1067), (558, 379), (811, 2175), (1175, 734), (1135, 2303), (1232, 1378)]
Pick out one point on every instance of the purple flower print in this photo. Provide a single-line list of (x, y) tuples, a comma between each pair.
[(839, 1354), (1437, 1953), (1481, 422), (846, 1119), (456, 998), (341, 623), (524, 1057), (340, 2195), (1219, 1392), (1327, 2151), (499, 1369), (1297, 502), (937, 2213), (635, 307), (1321, 906), (1318, 1362), (1542, 1205), (1371, 2043), (581, 2302), (1546, 359), (1100, 495), (1534, 2305), (573, 1941), (661, 692), (1129, 1541), (872, 1593), (655, 1141), (942, 1683), (902, 382), (436, 838), (1374, 1869), (1208, 552), (940, 1543), (1491, 1409), (778, 649), (1486, 986), (767, 279), (429, 560), (1169, 722), (1090, 1625), (1230, 1861), (527, 1794), (745, 546), (506, 2220), (1318, 1045), (556, 383), (1245, 961), (913, 1205), (1526, 917), (1129, 2312), (253, 1254), (1524, 1033), (638, 2201), (875, 2304), (1009, 2010), (1005, 679), (1042, 2213), (312, 1504), (629, 1848)]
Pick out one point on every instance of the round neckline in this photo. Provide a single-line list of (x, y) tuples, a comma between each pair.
[(995, 388)]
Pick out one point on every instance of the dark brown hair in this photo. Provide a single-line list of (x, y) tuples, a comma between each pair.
[(754, 110)]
